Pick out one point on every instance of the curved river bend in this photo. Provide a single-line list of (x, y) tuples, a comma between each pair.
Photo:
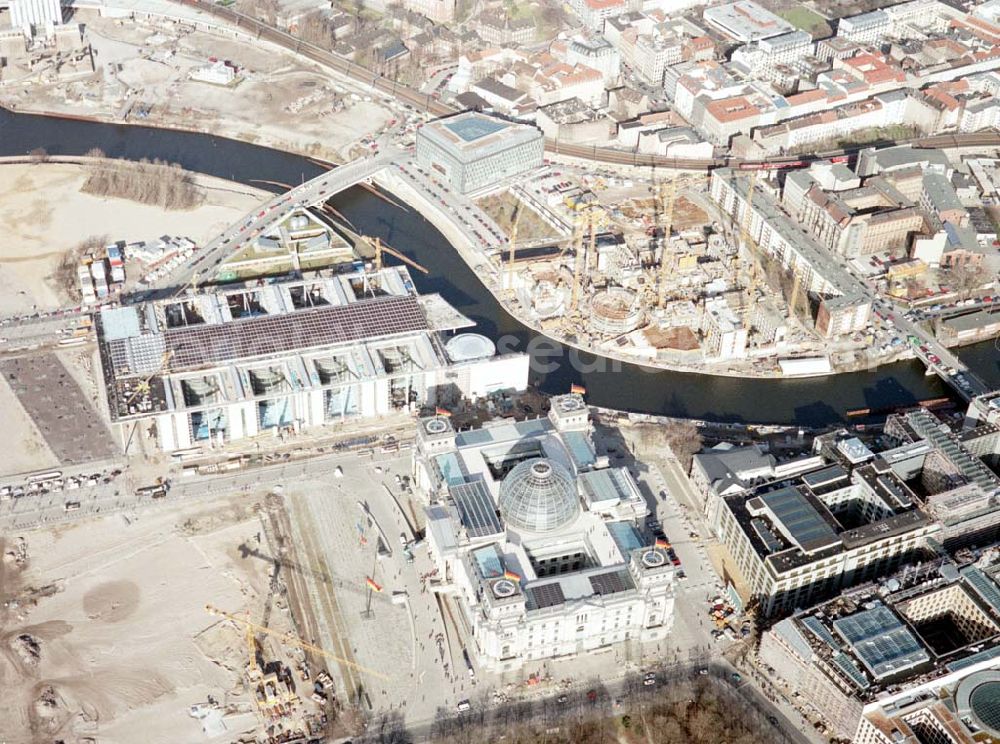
[(810, 402)]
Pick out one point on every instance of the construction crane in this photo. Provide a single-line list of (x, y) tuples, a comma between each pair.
[(381, 248), (746, 237), (142, 387), (579, 259), (513, 244), (287, 638), (668, 220), (794, 295)]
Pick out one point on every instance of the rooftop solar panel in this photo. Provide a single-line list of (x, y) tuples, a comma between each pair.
[(989, 653), (475, 436), (613, 582), (626, 536), (475, 127), (476, 509), (488, 561), (771, 542), (545, 595), (824, 476)]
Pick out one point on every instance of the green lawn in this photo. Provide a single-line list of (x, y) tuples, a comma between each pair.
[(805, 19)]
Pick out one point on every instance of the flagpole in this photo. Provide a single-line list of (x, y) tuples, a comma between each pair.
[(371, 578)]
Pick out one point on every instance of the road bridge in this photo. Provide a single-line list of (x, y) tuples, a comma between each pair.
[(942, 361), (206, 262)]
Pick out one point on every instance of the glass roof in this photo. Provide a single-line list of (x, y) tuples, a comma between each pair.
[(475, 127), (881, 641), (538, 495)]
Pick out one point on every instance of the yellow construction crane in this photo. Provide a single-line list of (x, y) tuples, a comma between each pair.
[(142, 387), (668, 219), (381, 248), (287, 638)]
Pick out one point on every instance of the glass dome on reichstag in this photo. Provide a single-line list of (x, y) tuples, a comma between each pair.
[(538, 495)]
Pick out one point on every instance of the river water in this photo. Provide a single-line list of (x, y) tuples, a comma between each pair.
[(811, 402)]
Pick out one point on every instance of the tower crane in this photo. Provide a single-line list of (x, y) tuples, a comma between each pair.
[(580, 260), (746, 237), (142, 387), (513, 245), (668, 219), (253, 628)]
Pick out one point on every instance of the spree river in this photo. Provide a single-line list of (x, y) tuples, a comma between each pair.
[(810, 402)]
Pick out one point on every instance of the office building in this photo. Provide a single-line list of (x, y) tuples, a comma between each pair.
[(240, 361), (796, 542), (539, 539), (746, 21), (474, 151), (910, 659)]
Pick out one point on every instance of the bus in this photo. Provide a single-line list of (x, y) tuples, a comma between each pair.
[(157, 492), (42, 477), (71, 506)]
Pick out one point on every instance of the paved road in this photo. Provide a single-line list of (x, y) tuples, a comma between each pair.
[(116, 497), (474, 224), (929, 347), (205, 263)]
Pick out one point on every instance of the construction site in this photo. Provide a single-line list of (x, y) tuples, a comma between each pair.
[(655, 273)]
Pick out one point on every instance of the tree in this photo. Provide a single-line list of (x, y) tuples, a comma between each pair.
[(966, 278), (39, 155), (683, 439)]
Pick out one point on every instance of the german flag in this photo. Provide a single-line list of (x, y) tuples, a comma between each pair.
[(578, 389), (661, 543), (372, 585), (512, 576), (442, 412)]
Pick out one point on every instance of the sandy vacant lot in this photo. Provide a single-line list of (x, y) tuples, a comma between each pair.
[(122, 645), (43, 214)]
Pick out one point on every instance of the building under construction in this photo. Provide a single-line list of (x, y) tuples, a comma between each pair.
[(248, 359)]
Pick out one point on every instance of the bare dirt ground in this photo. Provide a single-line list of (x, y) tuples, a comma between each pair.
[(37, 236), (25, 448), (281, 102), (104, 631)]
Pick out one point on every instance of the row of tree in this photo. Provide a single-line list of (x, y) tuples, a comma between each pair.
[(153, 182)]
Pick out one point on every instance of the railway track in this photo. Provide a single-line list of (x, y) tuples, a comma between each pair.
[(428, 103)]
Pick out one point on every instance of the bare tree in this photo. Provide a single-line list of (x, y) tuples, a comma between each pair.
[(39, 155), (162, 184), (966, 278)]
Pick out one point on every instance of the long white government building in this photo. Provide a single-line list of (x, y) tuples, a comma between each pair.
[(540, 538), (242, 360)]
